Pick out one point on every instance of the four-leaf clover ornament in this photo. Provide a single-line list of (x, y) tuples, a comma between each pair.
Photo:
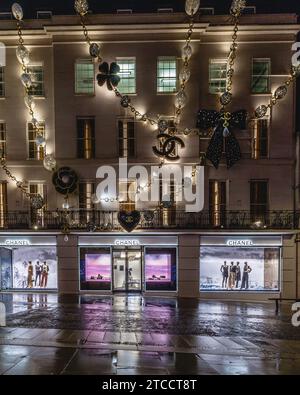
[(109, 74)]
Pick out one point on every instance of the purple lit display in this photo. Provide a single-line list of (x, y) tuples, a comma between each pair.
[(98, 267), (158, 268)]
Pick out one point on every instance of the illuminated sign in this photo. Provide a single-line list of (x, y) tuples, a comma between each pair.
[(17, 242), (128, 243), (240, 243)]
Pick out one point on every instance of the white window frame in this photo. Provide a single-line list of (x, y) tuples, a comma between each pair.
[(158, 86), (42, 95), (29, 141), (83, 61), (131, 60), (2, 81), (211, 79)]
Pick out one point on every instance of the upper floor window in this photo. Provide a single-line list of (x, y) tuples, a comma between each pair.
[(37, 76), (34, 151), (2, 82), (86, 191), (2, 139), (3, 203), (86, 138), (126, 138), (260, 140), (261, 71), (167, 75), (127, 73), (259, 200), (44, 14), (217, 75), (84, 77)]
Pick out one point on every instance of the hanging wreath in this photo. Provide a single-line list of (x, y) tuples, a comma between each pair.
[(65, 180)]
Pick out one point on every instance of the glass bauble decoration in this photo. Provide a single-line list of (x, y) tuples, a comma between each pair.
[(163, 125), (180, 99), (35, 122), (237, 7), (26, 80), (81, 7), (49, 162), (40, 141), (192, 7), (37, 202), (91, 227), (187, 52), (17, 11), (23, 55), (29, 101), (226, 132), (125, 101), (66, 205), (225, 98), (281, 92), (261, 111), (184, 75), (94, 50)]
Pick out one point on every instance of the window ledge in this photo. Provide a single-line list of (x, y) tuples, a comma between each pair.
[(166, 93), (261, 94)]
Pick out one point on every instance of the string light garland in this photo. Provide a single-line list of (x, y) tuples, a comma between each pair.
[(192, 7)]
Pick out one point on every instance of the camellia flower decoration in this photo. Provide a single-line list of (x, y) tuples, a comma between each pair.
[(65, 180), (109, 75)]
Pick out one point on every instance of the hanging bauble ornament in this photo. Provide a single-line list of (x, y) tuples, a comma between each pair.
[(187, 131), (295, 70), (49, 162), (192, 7), (237, 7), (261, 111), (125, 101), (81, 7), (184, 75), (37, 202), (29, 101), (95, 199), (26, 80), (65, 180), (34, 122), (163, 125), (91, 227), (187, 52), (40, 141), (66, 205), (166, 201), (180, 99), (17, 11), (94, 50), (281, 92), (23, 55), (225, 98), (226, 132)]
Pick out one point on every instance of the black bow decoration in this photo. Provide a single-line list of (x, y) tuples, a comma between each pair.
[(224, 123), (109, 74), (168, 146)]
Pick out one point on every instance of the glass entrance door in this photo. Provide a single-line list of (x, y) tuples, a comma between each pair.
[(127, 269)]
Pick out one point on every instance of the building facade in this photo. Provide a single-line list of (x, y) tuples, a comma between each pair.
[(251, 213)]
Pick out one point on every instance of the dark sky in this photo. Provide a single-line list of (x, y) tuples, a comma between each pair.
[(104, 6)]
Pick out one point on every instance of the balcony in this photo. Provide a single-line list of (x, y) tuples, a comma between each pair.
[(107, 221)]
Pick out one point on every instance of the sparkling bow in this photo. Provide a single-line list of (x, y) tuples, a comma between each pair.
[(224, 124)]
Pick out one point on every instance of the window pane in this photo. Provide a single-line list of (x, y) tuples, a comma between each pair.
[(126, 138), (3, 139), (84, 77), (128, 76), (86, 138), (2, 83), (217, 76), (261, 69), (167, 75), (37, 76), (35, 152)]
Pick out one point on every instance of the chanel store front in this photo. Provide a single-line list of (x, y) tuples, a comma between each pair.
[(28, 263), (247, 264), (128, 264)]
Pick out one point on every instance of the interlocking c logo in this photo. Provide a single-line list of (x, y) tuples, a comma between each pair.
[(168, 146)]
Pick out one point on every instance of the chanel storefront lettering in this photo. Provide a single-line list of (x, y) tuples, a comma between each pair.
[(240, 243), (128, 243)]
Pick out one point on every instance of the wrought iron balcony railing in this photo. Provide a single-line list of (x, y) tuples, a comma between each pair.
[(82, 220)]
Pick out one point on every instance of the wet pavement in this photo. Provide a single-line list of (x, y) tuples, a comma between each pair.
[(133, 335)]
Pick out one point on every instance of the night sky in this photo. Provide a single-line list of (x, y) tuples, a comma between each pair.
[(100, 6)]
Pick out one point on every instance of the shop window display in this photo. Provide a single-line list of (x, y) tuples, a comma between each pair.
[(28, 268), (95, 269), (160, 269), (239, 269)]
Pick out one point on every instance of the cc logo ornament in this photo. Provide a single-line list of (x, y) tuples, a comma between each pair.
[(168, 145)]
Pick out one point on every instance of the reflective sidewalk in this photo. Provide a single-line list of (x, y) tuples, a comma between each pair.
[(153, 336)]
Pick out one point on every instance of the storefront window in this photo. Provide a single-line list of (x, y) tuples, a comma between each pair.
[(239, 268), (160, 269), (95, 269), (33, 267)]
